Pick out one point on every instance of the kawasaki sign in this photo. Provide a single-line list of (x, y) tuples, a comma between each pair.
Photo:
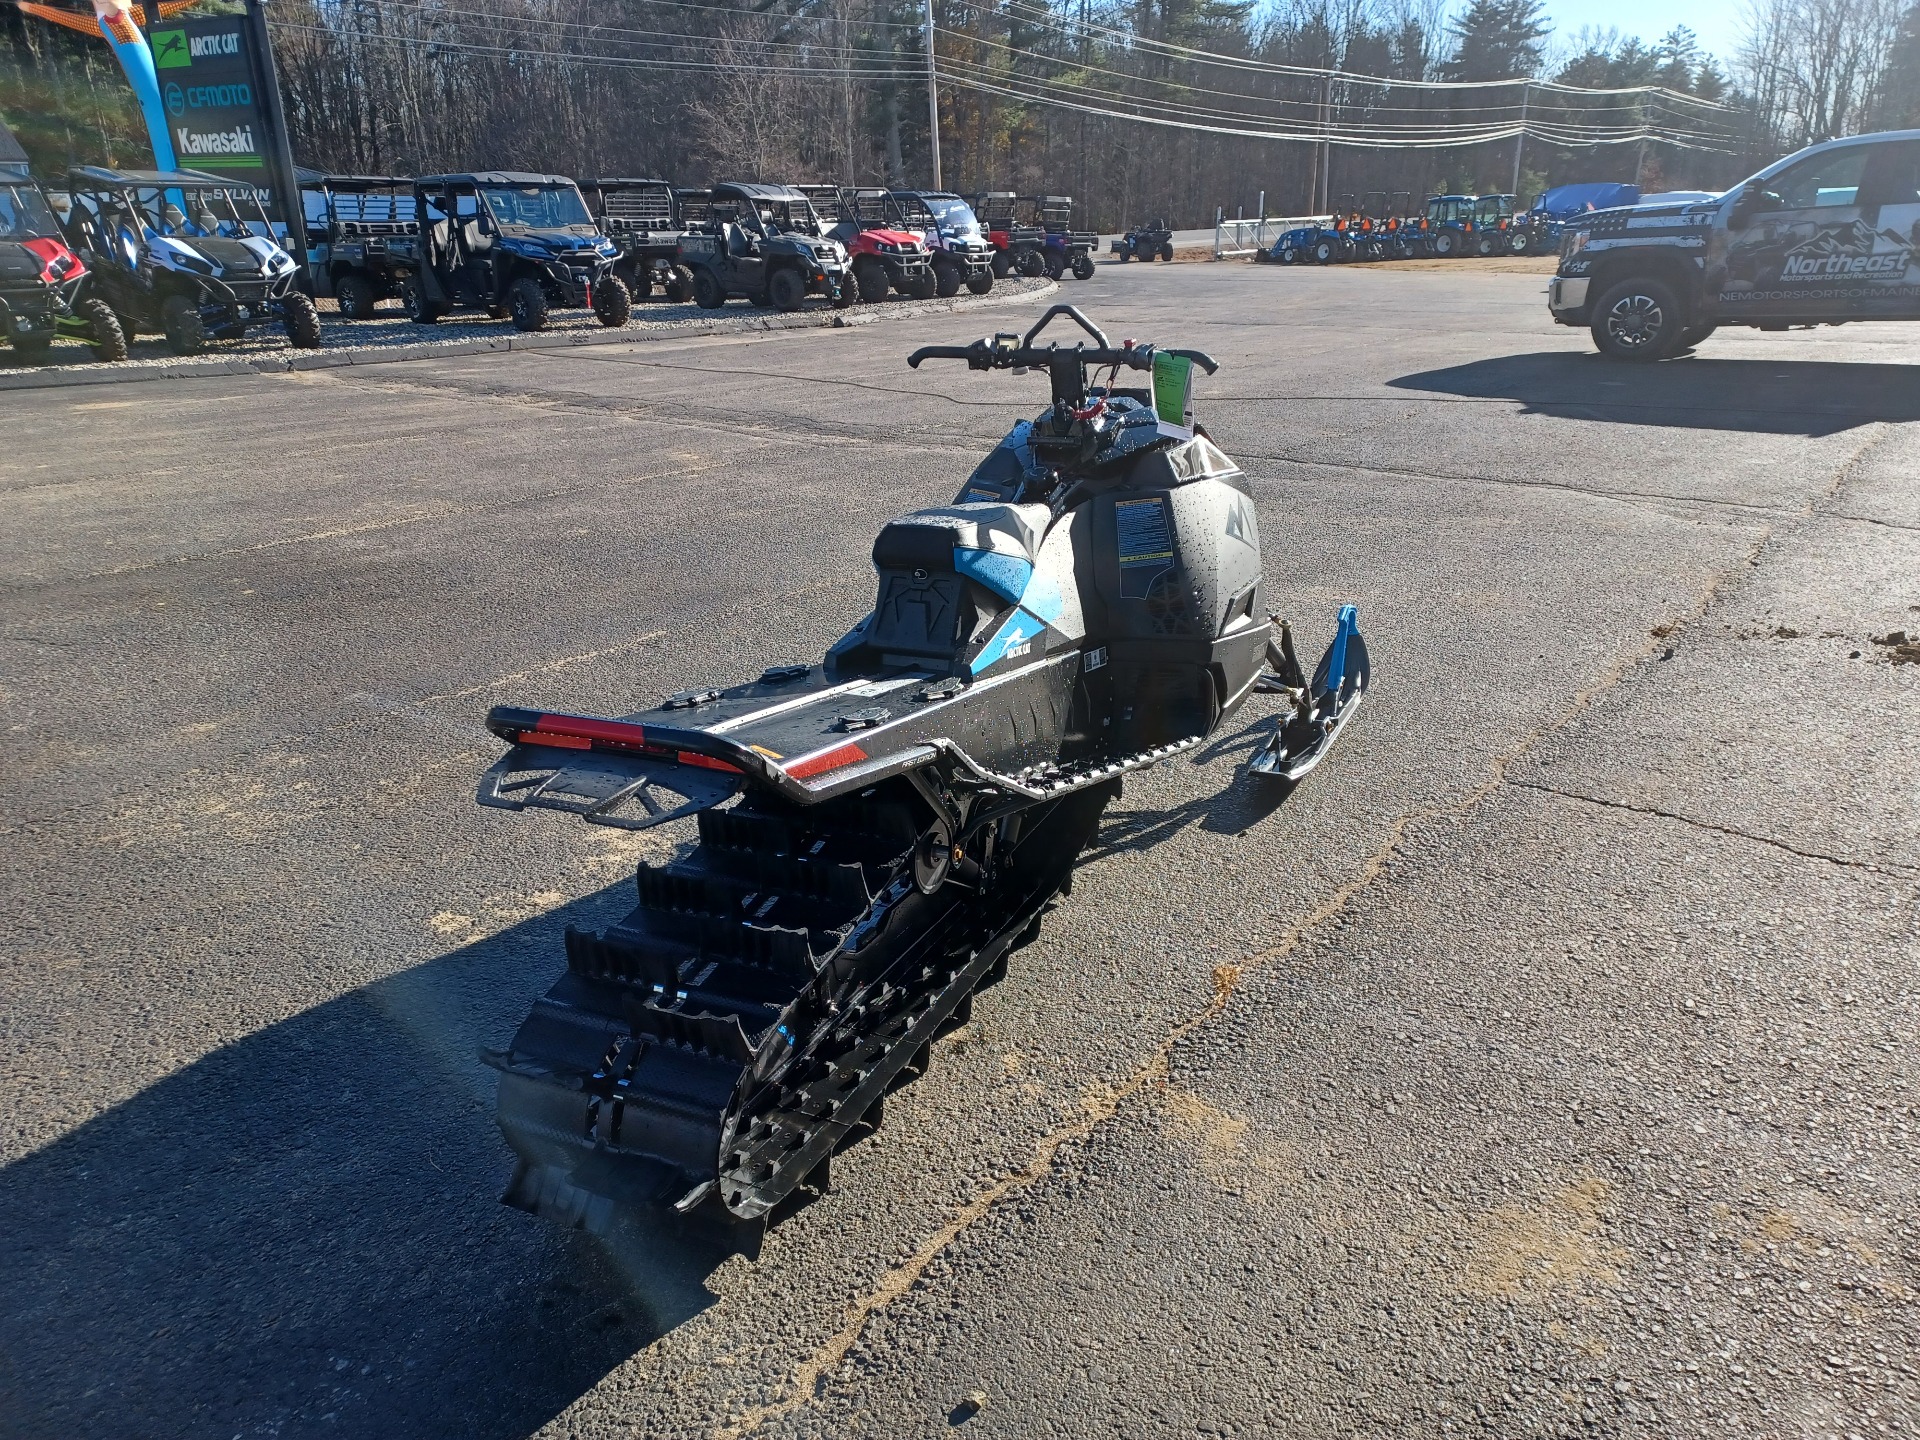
[(208, 83)]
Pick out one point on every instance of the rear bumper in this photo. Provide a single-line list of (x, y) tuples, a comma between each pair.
[(1567, 298)]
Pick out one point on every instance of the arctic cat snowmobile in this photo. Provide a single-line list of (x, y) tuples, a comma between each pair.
[(878, 832)]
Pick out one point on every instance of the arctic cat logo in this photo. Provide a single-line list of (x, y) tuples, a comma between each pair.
[(1849, 251), (205, 45), (237, 141)]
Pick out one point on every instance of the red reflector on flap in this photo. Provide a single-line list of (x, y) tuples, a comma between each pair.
[(585, 727), (547, 737), (834, 759)]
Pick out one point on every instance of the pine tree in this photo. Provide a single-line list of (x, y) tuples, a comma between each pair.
[(1900, 81), (1497, 39)]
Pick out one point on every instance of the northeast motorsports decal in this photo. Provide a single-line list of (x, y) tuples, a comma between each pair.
[(1816, 258), (1852, 251)]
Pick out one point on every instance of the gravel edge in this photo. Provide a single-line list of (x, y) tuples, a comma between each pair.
[(284, 362)]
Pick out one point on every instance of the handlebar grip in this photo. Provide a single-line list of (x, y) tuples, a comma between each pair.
[(939, 352), (1199, 357)]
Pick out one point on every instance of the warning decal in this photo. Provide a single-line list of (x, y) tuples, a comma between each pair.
[(1145, 544)]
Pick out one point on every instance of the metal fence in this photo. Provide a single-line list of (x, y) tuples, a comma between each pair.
[(1233, 238)]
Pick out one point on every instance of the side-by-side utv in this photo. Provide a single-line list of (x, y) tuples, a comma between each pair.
[(642, 219), (511, 244), (42, 282), (186, 254), (361, 237)]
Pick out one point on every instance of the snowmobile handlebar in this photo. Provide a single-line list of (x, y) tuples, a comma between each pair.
[(1005, 352)]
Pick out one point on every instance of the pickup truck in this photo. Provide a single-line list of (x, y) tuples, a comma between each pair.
[(1823, 237)]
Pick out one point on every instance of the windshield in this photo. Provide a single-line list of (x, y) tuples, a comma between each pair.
[(956, 218), (536, 207), (24, 214)]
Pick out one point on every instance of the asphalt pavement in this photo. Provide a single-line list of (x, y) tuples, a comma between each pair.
[(1544, 1066)]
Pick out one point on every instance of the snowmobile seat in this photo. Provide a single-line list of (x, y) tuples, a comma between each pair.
[(946, 570)]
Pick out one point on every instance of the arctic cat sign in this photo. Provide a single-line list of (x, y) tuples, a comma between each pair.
[(209, 85)]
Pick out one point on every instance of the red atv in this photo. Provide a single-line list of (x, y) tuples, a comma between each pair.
[(883, 258)]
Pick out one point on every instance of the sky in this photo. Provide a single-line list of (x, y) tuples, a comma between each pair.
[(1716, 22)]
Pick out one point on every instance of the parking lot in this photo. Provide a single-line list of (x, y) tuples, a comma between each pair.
[(1545, 1065)]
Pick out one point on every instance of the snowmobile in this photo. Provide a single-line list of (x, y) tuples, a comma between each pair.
[(877, 833)]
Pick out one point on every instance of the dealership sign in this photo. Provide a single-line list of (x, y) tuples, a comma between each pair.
[(208, 84)]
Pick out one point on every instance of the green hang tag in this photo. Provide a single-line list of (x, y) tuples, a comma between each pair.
[(1173, 393)]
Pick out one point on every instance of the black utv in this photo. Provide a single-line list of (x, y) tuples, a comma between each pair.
[(186, 254), (42, 282), (511, 244), (642, 219), (762, 243), (362, 234)]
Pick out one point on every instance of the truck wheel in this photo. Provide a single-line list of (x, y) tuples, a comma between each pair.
[(785, 289), (1323, 252), (356, 296), (1693, 335), (1083, 267), (923, 286), (981, 280), (1486, 245), (302, 321), (180, 319), (871, 276), (1126, 254), (1287, 255), (108, 340), (612, 302), (679, 286), (1166, 252), (707, 293), (1520, 243), (1053, 264), (420, 310), (1637, 320), (1445, 243), (527, 304), (947, 279)]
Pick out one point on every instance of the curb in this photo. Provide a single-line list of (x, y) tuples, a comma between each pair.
[(291, 361)]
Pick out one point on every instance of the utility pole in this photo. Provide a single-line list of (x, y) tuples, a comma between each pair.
[(1326, 141), (1520, 140), (933, 101)]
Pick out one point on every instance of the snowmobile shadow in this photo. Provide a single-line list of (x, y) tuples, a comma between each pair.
[(1243, 802), (302, 1231), (1695, 390)]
